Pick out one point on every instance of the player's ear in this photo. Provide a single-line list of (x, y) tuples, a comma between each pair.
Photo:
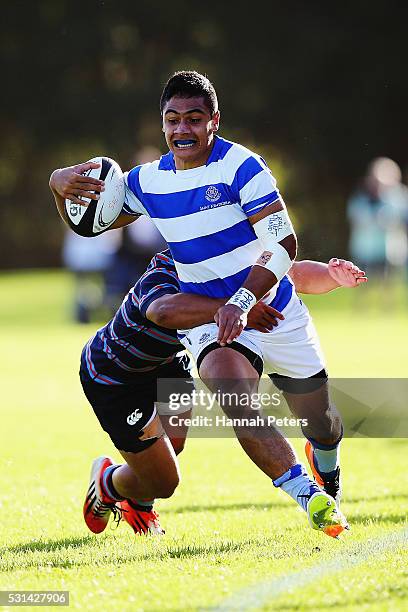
[(216, 121)]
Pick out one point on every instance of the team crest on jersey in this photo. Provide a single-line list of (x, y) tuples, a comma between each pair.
[(212, 194)]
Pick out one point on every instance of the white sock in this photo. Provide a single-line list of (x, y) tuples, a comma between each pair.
[(297, 483)]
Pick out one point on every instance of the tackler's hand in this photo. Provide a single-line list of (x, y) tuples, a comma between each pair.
[(346, 273)]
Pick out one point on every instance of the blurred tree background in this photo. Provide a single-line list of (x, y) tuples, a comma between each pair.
[(318, 89)]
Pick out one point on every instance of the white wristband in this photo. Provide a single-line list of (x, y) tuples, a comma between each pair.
[(244, 299)]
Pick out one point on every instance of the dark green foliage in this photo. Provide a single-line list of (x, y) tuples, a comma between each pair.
[(320, 87)]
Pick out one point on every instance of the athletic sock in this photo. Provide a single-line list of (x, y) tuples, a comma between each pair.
[(107, 485), (297, 483), (146, 505), (327, 456)]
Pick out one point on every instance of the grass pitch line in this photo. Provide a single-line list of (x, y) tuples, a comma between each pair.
[(261, 593)]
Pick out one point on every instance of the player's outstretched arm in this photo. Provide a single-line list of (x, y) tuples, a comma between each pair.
[(317, 277), (71, 183), (183, 311)]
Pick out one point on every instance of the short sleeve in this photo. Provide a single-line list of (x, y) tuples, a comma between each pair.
[(154, 284), (133, 193), (254, 186)]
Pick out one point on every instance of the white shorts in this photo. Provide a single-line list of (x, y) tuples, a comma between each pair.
[(290, 349)]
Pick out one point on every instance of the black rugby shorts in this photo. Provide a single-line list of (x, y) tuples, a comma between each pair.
[(126, 411)]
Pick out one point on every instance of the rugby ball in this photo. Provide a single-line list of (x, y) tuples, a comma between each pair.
[(96, 216)]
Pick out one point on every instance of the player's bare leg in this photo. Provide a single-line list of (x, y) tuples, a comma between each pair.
[(177, 429), (149, 474), (324, 432), (128, 490), (227, 372)]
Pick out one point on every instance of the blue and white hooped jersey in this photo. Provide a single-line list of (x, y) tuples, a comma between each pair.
[(203, 213)]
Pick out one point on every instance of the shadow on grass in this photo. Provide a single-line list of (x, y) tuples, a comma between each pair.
[(48, 545), (217, 507), (377, 518), (109, 556), (374, 498), (270, 505)]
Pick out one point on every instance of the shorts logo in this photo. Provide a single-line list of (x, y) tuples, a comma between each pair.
[(212, 194), (134, 417), (204, 337)]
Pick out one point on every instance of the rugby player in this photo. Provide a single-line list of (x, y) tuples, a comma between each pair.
[(217, 205)]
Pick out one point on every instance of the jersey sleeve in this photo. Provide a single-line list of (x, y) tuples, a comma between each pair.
[(254, 186), (133, 193), (154, 284)]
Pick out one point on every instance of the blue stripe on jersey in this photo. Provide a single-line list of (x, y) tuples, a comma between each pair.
[(219, 150), (257, 205), (225, 287), (134, 183), (219, 287), (167, 162), (181, 203), (247, 170), (219, 243), (283, 294)]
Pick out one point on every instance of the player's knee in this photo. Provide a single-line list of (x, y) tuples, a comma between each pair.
[(166, 487), (325, 426)]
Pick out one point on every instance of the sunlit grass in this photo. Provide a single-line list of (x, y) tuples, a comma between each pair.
[(227, 527)]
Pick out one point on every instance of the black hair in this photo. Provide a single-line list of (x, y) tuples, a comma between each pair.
[(190, 84)]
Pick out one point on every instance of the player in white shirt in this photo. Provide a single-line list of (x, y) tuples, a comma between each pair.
[(217, 205)]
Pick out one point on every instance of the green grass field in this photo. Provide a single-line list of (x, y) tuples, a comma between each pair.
[(232, 542)]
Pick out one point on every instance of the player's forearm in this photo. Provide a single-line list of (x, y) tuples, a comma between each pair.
[(183, 311), (59, 200), (312, 277), (260, 280)]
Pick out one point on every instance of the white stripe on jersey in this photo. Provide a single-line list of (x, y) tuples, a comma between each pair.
[(257, 187), (200, 223), (220, 266)]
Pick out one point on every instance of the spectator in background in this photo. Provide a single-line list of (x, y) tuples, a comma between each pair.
[(89, 261), (378, 216)]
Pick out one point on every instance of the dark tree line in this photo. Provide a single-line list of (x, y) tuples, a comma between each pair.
[(319, 89)]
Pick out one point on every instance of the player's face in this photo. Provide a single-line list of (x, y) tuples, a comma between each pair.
[(189, 129)]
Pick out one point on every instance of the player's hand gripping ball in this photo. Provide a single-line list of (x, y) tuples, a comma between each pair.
[(96, 216)]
